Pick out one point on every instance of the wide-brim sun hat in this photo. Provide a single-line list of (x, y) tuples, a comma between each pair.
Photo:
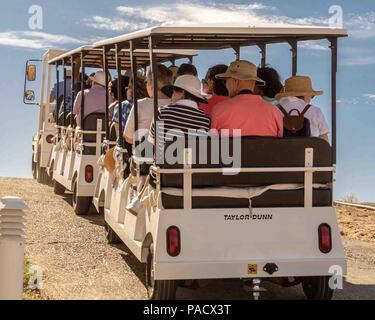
[(298, 86), (99, 78), (188, 83), (242, 70)]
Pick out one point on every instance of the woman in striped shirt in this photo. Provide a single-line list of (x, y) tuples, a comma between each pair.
[(183, 117)]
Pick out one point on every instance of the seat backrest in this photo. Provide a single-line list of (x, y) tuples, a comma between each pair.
[(90, 123), (256, 152)]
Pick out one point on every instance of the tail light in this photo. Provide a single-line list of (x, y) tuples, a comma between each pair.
[(173, 241), (89, 173), (49, 138), (325, 239)]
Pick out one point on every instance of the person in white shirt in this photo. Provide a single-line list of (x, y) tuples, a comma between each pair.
[(94, 97), (297, 94), (146, 105)]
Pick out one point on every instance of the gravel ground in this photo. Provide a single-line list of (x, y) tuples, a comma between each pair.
[(79, 264), (356, 223)]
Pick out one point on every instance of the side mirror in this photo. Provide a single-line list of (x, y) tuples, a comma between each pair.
[(31, 72), (29, 95)]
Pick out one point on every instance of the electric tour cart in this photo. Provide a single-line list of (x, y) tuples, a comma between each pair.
[(274, 220), (74, 163), (43, 139)]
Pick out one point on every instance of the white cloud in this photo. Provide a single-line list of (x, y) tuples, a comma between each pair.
[(117, 24), (133, 18), (358, 60), (365, 99), (361, 26), (313, 45), (36, 39), (130, 18)]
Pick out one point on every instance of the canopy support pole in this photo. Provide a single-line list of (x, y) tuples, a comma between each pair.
[(237, 52), (119, 92), (133, 60), (64, 90), (72, 95), (333, 47), (57, 92), (82, 90), (263, 51), (105, 69), (294, 49), (154, 71)]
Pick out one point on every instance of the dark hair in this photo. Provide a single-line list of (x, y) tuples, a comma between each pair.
[(114, 87), (141, 90), (273, 83), (219, 87), (164, 74), (187, 68)]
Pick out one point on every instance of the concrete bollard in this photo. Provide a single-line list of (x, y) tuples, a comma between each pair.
[(12, 246)]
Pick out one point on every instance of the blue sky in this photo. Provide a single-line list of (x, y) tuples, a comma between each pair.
[(68, 24)]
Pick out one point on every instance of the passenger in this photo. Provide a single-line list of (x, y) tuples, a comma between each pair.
[(174, 70), (94, 97), (61, 88), (113, 108), (61, 94), (146, 105), (127, 104), (297, 94), (214, 87), (272, 87), (88, 81), (182, 115), (187, 68), (245, 110)]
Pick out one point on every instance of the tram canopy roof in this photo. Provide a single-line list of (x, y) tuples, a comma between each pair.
[(93, 57), (221, 37)]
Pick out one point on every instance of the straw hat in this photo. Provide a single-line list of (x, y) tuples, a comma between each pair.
[(298, 86), (241, 70), (187, 83), (99, 78)]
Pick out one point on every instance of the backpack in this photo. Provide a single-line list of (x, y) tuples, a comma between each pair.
[(296, 125)]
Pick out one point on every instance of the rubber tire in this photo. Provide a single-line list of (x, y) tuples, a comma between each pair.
[(110, 234), (317, 288), (160, 289), (101, 209), (58, 188), (42, 176), (33, 167), (81, 205)]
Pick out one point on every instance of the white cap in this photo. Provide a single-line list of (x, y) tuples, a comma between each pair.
[(99, 78), (190, 84)]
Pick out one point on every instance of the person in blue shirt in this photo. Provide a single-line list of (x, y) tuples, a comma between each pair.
[(127, 104)]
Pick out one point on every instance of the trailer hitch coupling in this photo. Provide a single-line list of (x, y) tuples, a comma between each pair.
[(270, 268)]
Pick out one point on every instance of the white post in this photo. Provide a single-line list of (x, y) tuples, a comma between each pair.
[(309, 163), (12, 245), (188, 192)]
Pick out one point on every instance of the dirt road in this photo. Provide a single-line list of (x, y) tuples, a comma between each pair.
[(79, 264)]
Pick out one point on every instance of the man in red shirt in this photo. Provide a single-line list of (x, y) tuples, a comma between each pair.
[(246, 111)]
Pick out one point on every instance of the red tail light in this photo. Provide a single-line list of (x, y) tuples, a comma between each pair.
[(89, 174), (49, 138), (173, 241), (325, 239)]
